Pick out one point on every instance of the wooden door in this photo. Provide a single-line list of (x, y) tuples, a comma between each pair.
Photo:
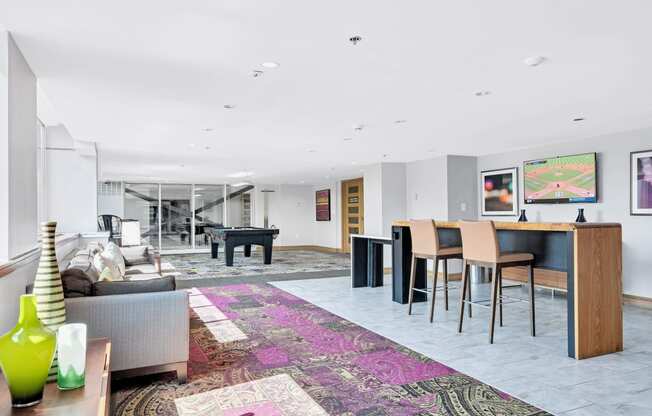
[(352, 211)]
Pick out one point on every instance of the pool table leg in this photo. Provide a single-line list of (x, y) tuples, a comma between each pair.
[(247, 250), (268, 250), (228, 252), (214, 248)]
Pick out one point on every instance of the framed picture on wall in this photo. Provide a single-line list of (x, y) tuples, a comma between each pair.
[(323, 205), (499, 192), (641, 183)]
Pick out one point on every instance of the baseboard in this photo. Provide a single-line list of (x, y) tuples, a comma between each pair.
[(321, 249), (641, 301), (440, 275)]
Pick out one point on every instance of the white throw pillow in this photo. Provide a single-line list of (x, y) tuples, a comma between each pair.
[(101, 263), (106, 275), (113, 253)]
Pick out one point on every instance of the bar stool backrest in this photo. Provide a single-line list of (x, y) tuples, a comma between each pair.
[(424, 237), (479, 241)]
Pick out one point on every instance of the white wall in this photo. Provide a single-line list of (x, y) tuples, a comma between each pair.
[(373, 199), (14, 284), (426, 188), (71, 182), (18, 149), (4, 145), (328, 233), (613, 206)]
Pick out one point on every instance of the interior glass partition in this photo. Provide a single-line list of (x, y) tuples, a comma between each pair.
[(209, 211), (239, 205), (141, 203), (176, 217)]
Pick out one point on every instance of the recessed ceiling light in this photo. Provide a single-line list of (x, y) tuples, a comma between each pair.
[(578, 119), (242, 174), (482, 93), (400, 121), (534, 60), (270, 64), (229, 106)]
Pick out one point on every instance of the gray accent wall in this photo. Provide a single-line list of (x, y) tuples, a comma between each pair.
[(613, 192)]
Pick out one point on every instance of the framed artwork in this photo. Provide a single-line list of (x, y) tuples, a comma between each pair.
[(499, 192), (641, 183), (323, 205)]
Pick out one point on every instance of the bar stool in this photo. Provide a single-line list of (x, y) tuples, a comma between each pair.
[(425, 245), (481, 248)]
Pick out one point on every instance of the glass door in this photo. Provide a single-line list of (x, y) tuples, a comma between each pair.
[(141, 204), (177, 232)]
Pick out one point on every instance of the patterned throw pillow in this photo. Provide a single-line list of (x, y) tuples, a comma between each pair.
[(101, 263), (113, 253), (106, 275)]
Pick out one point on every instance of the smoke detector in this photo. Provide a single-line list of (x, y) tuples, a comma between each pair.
[(534, 60), (355, 39)]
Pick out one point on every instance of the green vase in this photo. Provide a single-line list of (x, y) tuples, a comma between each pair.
[(26, 354)]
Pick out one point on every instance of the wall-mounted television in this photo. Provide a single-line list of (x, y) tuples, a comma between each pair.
[(562, 179)]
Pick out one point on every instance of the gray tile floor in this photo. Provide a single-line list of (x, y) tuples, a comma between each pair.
[(536, 370)]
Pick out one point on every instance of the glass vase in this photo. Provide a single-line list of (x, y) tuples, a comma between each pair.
[(71, 353), (26, 354)]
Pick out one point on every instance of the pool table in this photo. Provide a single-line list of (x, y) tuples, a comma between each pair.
[(242, 236)]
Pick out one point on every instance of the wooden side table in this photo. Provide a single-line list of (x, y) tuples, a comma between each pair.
[(92, 399)]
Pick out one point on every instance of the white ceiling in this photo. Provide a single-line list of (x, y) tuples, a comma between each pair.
[(145, 78)]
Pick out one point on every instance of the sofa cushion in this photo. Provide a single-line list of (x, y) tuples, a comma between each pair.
[(101, 263), (76, 283), (113, 253), (125, 287), (135, 255), (84, 262)]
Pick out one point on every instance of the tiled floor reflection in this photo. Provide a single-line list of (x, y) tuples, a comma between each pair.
[(536, 370)]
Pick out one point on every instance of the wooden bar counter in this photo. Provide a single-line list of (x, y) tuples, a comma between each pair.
[(585, 259)]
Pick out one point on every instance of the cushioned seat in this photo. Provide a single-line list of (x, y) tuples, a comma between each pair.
[(425, 245), (482, 249)]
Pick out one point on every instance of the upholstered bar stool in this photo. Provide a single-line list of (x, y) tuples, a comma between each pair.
[(481, 248), (425, 245)]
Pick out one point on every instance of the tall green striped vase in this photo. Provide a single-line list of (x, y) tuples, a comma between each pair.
[(48, 289)]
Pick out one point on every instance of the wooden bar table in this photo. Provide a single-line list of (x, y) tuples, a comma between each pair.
[(92, 399), (585, 259)]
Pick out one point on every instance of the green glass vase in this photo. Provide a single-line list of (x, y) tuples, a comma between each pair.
[(26, 354)]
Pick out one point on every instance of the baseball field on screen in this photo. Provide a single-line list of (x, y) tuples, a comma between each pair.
[(570, 178)]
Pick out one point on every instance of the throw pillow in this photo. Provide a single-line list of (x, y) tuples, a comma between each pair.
[(76, 283), (101, 263), (106, 275), (135, 255), (113, 253)]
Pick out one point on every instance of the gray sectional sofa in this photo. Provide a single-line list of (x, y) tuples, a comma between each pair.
[(145, 318)]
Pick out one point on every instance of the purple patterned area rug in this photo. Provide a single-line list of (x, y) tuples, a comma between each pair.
[(256, 332)]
